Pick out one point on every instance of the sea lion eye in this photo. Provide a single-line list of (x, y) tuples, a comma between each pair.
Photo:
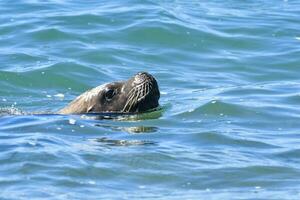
[(109, 94)]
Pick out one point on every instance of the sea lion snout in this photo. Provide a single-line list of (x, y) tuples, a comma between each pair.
[(142, 77), (144, 93), (147, 81)]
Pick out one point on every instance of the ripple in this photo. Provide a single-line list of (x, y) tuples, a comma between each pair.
[(50, 34), (210, 138), (217, 108), (228, 72)]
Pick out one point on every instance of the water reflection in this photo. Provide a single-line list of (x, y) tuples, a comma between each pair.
[(116, 142), (126, 118), (129, 129), (152, 114), (123, 123)]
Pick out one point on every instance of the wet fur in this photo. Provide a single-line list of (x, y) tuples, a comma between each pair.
[(139, 93)]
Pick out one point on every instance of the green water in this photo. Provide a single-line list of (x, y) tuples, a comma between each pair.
[(228, 73)]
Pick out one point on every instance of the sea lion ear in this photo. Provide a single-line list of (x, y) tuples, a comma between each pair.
[(90, 108)]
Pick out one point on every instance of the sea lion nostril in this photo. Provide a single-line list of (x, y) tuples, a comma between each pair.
[(142, 73), (142, 77)]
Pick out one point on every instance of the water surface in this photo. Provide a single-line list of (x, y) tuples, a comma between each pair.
[(229, 76)]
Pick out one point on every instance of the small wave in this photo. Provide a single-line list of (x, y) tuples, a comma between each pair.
[(231, 140), (217, 108), (51, 34)]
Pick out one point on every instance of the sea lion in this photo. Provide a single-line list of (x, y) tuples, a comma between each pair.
[(138, 94)]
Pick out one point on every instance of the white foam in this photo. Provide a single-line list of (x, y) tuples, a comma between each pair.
[(72, 121), (60, 95)]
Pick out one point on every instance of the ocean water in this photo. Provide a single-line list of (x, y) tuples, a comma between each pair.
[(229, 76)]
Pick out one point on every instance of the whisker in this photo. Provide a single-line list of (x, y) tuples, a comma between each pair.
[(131, 105), (143, 94), (144, 89), (137, 94), (130, 98), (133, 102), (148, 89)]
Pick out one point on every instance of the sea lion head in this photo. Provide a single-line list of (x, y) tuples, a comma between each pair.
[(138, 94)]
